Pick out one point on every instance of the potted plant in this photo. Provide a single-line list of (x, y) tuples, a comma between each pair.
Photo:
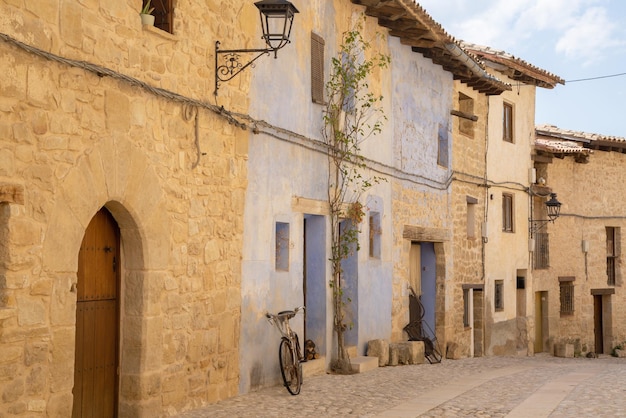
[(146, 14)]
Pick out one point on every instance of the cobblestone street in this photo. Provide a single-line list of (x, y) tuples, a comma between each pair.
[(540, 386)]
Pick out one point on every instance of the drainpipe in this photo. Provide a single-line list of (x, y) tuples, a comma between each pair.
[(469, 62)]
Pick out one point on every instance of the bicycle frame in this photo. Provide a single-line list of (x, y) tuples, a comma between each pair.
[(289, 349)]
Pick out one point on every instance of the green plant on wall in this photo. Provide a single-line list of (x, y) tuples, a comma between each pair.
[(352, 114)]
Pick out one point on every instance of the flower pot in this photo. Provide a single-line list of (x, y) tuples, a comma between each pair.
[(147, 19)]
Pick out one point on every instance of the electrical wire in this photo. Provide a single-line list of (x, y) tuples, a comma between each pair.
[(595, 78)]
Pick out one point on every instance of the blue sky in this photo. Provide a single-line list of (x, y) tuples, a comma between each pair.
[(574, 39)]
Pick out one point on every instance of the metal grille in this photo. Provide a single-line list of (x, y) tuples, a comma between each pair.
[(610, 270), (542, 251), (567, 297), (499, 295)]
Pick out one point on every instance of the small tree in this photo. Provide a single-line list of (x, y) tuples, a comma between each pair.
[(352, 115)]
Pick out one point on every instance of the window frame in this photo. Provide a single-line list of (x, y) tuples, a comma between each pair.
[(163, 14), (508, 122), (375, 235), (466, 105), (566, 296), (613, 237), (471, 203), (443, 146), (281, 246), (508, 212), (498, 295)]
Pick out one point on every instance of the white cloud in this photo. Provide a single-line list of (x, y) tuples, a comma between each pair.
[(576, 29), (589, 36)]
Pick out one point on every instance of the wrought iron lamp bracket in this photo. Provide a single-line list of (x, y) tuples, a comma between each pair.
[(537, 224), (232, 64)]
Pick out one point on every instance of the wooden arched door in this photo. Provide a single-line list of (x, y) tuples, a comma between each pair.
[(97, 319)]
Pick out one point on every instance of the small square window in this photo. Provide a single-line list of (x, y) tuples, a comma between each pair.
[(163, 12), (498, 295), (282, 246)]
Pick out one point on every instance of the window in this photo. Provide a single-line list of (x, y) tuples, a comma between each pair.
[(541, 255), (163, 12), (507, 212), (612, 254), (282, 246), (471, 216), (317, 68), (566, 289), (466, 105), (498, 297), (507, 127), (442, 151), (375, 235)]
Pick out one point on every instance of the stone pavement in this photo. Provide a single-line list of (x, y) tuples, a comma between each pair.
[(532, 387)]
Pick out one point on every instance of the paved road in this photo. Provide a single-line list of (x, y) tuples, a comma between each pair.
[(514, 387)]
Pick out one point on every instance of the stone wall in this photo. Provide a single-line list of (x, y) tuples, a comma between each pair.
[(76, 140), (592, 199), (468, 194)]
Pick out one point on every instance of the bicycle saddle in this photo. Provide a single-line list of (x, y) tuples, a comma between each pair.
[(288, 314)]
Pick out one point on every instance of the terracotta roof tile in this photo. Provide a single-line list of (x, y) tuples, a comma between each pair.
[(554, 131), (521, 69), (561, 146)]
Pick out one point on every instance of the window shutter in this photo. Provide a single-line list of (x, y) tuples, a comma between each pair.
[(317, 68)]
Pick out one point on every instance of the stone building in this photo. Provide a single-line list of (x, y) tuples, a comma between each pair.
[(578, 260), (287, 193), (121, 218), (149, 220), (469, 200), (507, 281)]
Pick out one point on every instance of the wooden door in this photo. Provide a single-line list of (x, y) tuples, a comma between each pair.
[(598, 324), (95, 365)]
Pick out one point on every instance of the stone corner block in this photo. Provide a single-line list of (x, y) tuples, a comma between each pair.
[(564, 350), (380, 349)]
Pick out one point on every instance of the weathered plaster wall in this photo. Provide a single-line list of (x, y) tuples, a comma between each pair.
[(506, 253), (288, 181), (75, 142), (421, 103)]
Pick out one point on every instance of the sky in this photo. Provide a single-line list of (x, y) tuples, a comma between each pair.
[(574, 39)]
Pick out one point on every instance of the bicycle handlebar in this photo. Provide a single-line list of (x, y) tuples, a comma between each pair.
[(282, 314)]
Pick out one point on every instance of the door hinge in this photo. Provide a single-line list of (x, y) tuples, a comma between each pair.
[(114, 263)]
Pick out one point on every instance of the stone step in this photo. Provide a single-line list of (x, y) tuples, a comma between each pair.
[(351, 350), (314, 367), (362, 364)]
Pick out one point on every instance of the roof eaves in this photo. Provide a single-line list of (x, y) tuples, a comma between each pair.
[(407, 20), (522, 70)]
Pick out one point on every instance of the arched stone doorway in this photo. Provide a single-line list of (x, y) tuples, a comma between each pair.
[(96, 359)]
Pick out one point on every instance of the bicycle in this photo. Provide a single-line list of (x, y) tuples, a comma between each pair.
[(289, 354)]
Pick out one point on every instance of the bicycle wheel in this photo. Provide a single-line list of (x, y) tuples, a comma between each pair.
[(289, 367)]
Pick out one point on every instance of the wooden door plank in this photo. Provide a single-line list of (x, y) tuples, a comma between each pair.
[(78, 363), (88, 359)]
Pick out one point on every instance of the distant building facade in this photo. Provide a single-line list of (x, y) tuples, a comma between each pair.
[(578, 266)]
